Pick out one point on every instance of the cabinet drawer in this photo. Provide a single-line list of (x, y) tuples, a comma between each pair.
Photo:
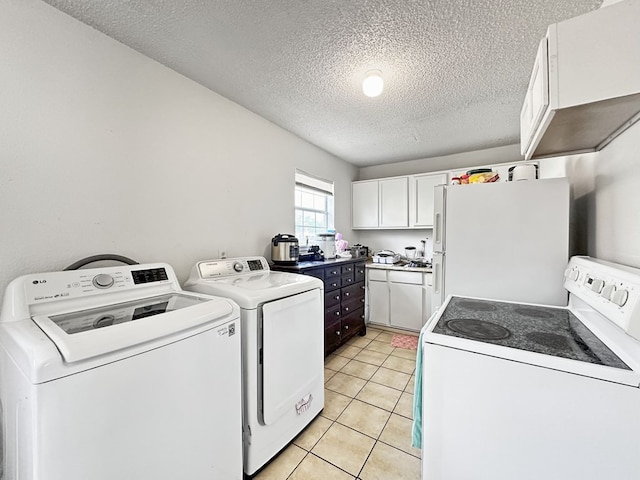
[(405, 277), (334, 271), (332, 336), (353, 291), (351, 306), (353, 322), (332, 314), (348, 279), (332, 298), (348, 268), (319, 273), (360, 272), (377, 274), (332, 283)]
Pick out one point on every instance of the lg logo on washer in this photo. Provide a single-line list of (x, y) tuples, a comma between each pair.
[(230, 330), (36, 282)]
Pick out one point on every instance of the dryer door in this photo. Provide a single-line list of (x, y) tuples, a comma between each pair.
[(292, 353)]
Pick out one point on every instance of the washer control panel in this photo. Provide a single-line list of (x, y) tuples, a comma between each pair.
[(231, 266), (612, 289), (57, 286)]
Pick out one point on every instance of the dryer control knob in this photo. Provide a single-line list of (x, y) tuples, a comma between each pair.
[(237, 266), (103, 280), (620, 297)]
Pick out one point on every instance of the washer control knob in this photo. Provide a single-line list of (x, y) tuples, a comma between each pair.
[(237, 266), (103, 280), (597, 285), (608, 291), (620, 297)]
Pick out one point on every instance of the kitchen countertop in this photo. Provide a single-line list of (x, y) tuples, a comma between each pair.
[(337, 261), (397, 266), (320, 263)]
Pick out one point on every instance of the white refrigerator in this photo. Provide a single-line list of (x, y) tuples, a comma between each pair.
[(505, 241)]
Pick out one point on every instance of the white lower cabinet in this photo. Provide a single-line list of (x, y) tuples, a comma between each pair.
[(379, 302), (406, 305), (400, 299)]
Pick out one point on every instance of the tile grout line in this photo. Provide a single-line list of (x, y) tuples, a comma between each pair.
[(367, 381)]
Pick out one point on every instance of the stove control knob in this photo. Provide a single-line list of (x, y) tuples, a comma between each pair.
[(103, 280), (608, 291), (597, 285), (237, 266), (620, 297)]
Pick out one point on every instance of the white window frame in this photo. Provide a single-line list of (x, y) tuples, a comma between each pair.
[(310, 186)]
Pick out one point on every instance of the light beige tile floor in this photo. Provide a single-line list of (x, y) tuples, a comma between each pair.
[(364, 431)]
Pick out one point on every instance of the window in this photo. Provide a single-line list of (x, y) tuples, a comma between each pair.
[(314, 208)]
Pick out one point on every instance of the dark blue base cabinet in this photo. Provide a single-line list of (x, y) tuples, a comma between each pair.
[(343, 297)]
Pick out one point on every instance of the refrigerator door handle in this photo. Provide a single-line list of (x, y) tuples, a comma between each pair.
[(437, 278), (438, 218), (437, 294), (437, 237)]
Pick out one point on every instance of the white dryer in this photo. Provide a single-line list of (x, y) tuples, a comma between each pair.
[(117, 373), (282, 349)]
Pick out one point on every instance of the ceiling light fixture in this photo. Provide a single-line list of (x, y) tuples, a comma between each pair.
[(372, 84)]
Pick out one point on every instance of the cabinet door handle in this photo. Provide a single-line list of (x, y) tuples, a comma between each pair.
[(338, 332), (334, 284), (346, 294), (337, 297), (346, 309), (337, 314), (333, 272), (362, 300), (346, 327)]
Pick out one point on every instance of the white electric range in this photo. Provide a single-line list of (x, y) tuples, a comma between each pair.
[(512, 390)]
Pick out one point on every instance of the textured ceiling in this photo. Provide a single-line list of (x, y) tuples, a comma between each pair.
[(455, 71)]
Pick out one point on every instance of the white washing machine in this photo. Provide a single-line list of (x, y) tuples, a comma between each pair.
[(282, 349), (116, 373)]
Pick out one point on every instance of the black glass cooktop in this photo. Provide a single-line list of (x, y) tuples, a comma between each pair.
[(546, 330)]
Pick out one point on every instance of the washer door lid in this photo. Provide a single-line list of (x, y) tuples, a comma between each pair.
[(85, 334)]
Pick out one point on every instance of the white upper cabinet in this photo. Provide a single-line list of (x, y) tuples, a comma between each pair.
[(394, 203), (364, 204), (537, 99), (585, 85), (421, 198), (380, 203)]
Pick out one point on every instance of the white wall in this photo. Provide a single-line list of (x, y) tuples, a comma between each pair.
[(396, 240), (103, 150), (606, 189), (490, 156)]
